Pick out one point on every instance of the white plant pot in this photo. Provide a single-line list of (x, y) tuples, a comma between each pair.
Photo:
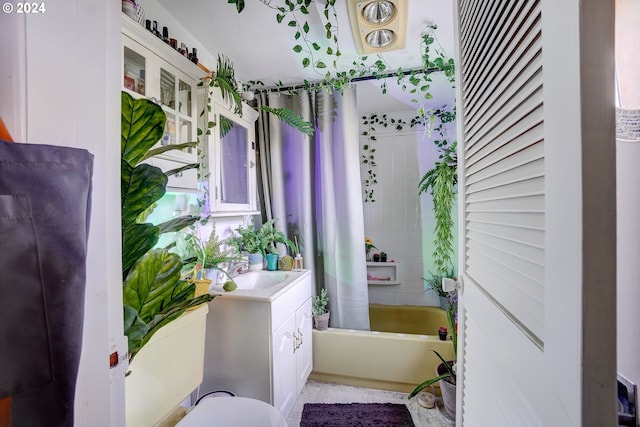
[(321, 321)]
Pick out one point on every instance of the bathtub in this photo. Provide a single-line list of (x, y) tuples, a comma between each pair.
[(383, 360), (408, 319)]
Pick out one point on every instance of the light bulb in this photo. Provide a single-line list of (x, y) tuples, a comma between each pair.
[(378, 12), (380, 38)]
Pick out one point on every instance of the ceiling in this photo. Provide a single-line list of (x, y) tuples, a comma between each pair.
[(262, 49)]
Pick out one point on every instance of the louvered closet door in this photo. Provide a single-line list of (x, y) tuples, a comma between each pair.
[(526, 187)]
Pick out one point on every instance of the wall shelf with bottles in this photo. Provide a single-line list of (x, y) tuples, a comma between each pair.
[(383, 273)]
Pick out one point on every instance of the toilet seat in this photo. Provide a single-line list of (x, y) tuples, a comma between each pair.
[(233, 412)]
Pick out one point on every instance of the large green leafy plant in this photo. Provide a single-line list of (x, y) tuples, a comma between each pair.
[(154, 292)]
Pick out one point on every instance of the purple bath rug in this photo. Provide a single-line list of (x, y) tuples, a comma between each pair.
[(355, 414)]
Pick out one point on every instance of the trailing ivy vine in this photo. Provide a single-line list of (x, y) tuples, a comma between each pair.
[(418, 81), (442, 181), (368, 149), (435, 120), (294, 13)]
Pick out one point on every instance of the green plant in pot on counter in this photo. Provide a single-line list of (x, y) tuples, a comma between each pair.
[(320, 310), (260, 241), (154, 293), (271, 236), (247, 240), (209, 255)]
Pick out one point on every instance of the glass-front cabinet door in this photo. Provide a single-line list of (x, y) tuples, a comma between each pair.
[(177, 97), (235, 164), (135, 65), (145, 74)]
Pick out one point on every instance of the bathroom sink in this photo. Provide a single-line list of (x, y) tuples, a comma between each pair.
[(261, 285), (260, 279)]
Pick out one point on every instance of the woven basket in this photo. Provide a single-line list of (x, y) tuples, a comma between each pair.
[(202, 287)]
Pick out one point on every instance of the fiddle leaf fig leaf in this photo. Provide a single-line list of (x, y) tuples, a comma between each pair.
[(140, 187), (137, 239), (177, 224), (142, 126), (151, 282), (134, 328), (182, 169), (164, 148)]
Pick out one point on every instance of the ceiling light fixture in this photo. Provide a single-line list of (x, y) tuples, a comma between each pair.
[(378, 25), (378, 12)]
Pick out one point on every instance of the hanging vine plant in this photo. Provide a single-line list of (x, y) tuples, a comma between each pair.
[(441, 181), (293, 13), (368, 149), (434, 121)]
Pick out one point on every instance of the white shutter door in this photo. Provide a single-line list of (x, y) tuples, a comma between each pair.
[(520, 249), (504, 161)]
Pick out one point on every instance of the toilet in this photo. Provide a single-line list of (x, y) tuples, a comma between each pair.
[(170, 367)]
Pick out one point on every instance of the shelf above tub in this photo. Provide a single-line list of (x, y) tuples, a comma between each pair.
[(383, 273)]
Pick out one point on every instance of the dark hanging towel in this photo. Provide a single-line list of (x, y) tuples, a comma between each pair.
[(45, 198)]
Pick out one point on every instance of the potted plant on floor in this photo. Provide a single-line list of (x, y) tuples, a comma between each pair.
[(435, 283), (445, 371), (320, 309)]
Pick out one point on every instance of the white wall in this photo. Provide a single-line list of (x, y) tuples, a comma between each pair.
[(399, 222), (59, 78), (628, 260), (154, 11), (628, 196)]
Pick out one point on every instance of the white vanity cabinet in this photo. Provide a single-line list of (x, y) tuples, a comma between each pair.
[(261, 347), (152, 69)]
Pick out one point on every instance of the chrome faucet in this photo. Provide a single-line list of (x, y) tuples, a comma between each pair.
[(236, 267)]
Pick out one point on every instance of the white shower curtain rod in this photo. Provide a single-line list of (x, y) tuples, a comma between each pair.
[(316, 84)]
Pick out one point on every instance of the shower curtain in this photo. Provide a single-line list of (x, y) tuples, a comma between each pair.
[(45, 197), (312, 187)]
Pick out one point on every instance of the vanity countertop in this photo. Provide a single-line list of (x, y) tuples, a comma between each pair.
[(263, 285)]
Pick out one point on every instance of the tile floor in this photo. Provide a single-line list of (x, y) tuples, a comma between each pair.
[(317, 392)]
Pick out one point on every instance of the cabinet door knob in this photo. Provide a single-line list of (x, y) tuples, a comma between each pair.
[(179, 175)]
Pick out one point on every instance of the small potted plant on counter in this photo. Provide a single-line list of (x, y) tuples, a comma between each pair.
[(270, 236), (320, 310), (249, 240), (205, 258)]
